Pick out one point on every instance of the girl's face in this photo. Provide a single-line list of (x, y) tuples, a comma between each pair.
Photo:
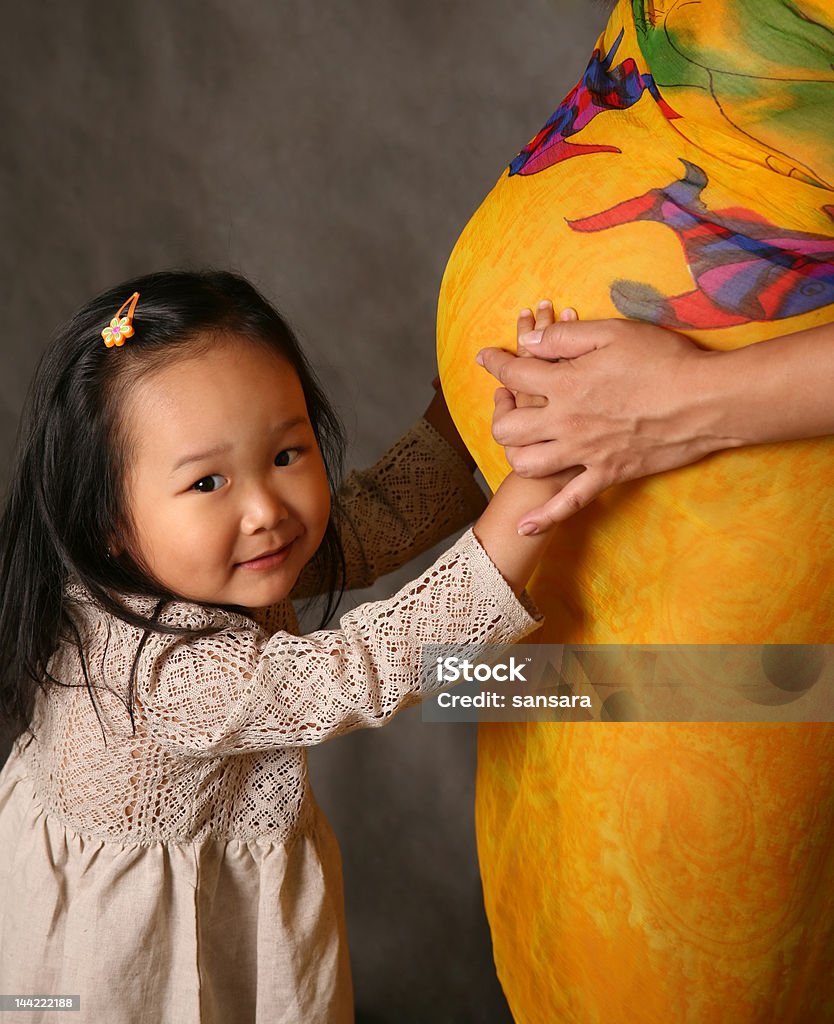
[(227, 491)]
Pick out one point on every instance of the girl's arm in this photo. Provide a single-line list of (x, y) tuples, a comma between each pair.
[(438, 416), (240, 691), (630, 399), (418, 493)]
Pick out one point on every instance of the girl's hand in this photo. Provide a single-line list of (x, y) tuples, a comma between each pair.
[(621, 398), (527, 323)]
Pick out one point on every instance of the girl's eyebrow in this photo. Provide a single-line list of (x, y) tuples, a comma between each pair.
[(218, 449), (221, 449)]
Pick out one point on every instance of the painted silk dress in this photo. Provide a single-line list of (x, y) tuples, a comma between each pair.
[(657, 872)]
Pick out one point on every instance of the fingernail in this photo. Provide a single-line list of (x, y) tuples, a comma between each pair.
[(545, 304), (568, 314), (528, 529), (532, 337), (525, 312), (479, 359)]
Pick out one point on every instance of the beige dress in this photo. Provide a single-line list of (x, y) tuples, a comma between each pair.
[(184, 872)]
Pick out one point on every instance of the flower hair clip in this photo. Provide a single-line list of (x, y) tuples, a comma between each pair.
[(121, 328)]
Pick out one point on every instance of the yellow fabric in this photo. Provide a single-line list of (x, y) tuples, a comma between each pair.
[(668, 872)]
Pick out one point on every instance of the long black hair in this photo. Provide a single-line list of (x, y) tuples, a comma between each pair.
[(67, 494)]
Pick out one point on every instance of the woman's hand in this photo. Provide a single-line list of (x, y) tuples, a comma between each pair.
[(621, 398)]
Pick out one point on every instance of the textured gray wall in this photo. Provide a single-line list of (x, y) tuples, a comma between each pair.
[(331, 152)]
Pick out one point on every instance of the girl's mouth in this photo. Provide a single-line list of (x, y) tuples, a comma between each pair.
[(268, 561)]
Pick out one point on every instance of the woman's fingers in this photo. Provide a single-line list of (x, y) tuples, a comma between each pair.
[(567, 339), (504, 404), (538, 460), (513, 372), (573, 497), (559, 340), (510, 424)]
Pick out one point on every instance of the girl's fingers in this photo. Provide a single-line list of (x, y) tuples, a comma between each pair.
[(526, 322), (545, 315)]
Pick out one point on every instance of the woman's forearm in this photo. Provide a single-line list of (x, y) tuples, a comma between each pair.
[(777, 390)]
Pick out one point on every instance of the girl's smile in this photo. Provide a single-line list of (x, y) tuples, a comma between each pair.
[(227, 489), (268, 559)]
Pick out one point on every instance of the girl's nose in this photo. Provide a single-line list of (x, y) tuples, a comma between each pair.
[(264, 509)]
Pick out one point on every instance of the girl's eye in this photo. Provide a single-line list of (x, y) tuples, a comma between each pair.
[(209, 482), (287, 456)]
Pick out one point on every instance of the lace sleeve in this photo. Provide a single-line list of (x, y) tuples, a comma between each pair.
[(241, 691), (417, 494)]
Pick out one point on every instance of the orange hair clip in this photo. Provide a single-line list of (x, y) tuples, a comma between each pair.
[(120, 329)]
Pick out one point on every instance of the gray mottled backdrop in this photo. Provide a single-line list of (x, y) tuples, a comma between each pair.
[(332, 152)]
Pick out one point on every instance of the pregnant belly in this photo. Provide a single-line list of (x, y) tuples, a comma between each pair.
[(733, 549), (636, 873)]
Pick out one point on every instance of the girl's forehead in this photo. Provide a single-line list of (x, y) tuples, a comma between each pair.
[(227, 360), (214, 388)]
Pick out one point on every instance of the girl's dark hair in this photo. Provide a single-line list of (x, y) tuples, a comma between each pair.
[(67, 495)]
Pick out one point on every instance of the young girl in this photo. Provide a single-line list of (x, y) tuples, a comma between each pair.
[(163, 857)]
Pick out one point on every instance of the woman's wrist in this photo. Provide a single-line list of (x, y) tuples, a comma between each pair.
[(718, 403), (770, 391)]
